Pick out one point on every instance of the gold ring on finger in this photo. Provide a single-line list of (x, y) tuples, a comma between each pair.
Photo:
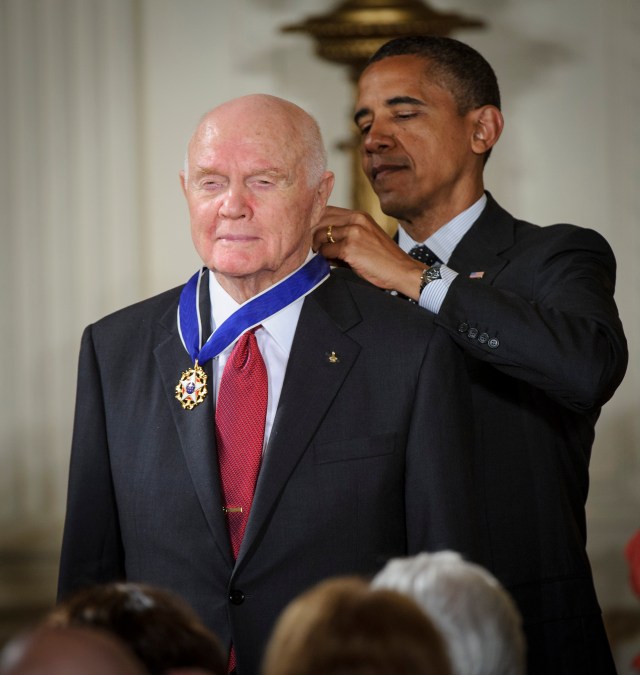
[(330, 238)]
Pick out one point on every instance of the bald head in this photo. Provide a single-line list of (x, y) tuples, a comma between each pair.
[(256, 186), (67, 651), (261, 116)]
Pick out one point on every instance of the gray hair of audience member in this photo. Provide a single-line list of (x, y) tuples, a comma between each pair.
[(49, 650), (476, 615)]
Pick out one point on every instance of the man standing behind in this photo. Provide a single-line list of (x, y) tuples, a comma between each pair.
[(532, 308), (303, 383)]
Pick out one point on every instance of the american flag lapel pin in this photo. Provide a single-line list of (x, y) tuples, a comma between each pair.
[(476, 275)]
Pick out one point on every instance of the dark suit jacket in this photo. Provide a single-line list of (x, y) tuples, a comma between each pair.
[(355, 471), (545, 349)]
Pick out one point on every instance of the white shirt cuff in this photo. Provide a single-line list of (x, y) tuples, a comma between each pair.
[(434, 293)]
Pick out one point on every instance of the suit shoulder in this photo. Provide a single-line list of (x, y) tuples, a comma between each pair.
[(559, 236), (563, 236), (560, 245), (389, 316), (139, 313)]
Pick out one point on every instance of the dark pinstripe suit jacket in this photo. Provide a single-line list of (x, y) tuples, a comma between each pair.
[(369, 457), (545, 349)]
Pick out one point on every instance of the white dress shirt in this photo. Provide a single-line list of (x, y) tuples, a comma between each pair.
[(275, 338)]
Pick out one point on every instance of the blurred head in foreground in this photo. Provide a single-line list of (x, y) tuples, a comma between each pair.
[(474, 613), (159, 627), (343, 627), (68, 651)]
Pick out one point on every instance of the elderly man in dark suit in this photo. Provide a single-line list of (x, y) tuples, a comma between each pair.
[(269, 424), (531, 307)]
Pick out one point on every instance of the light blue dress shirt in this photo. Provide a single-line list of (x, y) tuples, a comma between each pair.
[(442, 243)]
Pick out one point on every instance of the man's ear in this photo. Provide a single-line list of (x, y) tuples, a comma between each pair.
[(183, 183), (487, 127), (326, 187), (323, 192)]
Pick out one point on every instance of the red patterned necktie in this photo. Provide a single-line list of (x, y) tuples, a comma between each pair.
[(240, 416)]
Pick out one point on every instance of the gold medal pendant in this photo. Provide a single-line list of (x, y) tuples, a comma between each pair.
[(192, 388)]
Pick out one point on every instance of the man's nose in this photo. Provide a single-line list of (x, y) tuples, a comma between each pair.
[(235, 204), (377, 138)]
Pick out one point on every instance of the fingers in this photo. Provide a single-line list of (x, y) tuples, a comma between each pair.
[(336, 223), (327, 237), (355, 239), (323, 232)]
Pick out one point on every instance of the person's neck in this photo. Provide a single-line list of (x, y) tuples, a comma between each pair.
[(431, 219), (244, 288)]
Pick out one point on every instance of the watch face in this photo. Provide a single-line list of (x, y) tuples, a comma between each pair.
[(429, 275), (432, 274)]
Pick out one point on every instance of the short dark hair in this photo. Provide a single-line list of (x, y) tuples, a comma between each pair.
[(457, 67), (158, 626)]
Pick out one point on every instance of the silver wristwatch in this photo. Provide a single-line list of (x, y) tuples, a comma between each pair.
[(430, 274)]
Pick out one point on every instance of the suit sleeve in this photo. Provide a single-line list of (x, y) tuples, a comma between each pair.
[(91, 548), (549, 319)]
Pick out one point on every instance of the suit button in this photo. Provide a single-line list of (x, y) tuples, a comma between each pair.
[(236, 597), (472, 333), (494, 343), (463, 328), (483, 338)]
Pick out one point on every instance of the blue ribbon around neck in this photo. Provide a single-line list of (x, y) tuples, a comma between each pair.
[(252, 313)]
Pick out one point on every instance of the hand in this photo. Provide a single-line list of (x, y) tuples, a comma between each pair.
[(365, 247)]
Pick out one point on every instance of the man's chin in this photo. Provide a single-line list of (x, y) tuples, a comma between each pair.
[(391, 208), (234, 271), (236, 258)]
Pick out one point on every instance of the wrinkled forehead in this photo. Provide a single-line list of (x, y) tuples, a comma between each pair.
[(248, 136)]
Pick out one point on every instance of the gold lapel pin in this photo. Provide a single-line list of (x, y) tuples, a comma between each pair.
[(333, 358)]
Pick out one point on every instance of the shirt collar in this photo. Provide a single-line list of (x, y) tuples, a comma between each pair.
[(444, 240), (280, 326)]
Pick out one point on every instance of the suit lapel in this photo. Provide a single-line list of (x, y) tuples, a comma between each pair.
[(479, 250), (312, 380), (196, 428), (321, 357)]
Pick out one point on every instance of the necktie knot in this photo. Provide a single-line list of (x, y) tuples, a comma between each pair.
[(244, 353), (424, 254)]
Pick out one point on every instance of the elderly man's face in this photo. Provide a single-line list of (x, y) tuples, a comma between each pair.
[(249, 198)]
